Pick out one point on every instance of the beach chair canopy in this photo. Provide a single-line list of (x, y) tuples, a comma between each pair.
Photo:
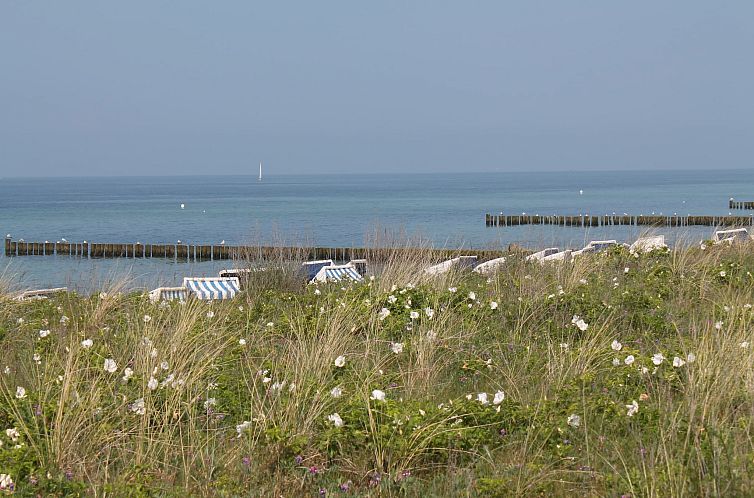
[(461, 262), (490, 266), (312, 267), (168, 294), (337, 273), (212, 288), (647, 244)]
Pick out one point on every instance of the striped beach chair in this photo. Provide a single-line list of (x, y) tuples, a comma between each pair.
[(212, 288), (337, 273), (168, 294)]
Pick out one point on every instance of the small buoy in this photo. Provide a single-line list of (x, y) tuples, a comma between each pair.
[(183, 205), (581, 192)]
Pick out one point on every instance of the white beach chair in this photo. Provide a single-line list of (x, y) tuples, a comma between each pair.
[(459, 263), (212, 288), (562, 256), (40, 293), (168, 294), (489, 267), (337, 273), (595, 246), (648, 244), (731, 236), (540, 255)]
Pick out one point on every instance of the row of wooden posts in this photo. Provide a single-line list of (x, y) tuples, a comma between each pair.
[(192, 252), (733, 204), (585, 220)]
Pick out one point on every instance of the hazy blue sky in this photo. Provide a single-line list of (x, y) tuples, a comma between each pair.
[(193, 87)]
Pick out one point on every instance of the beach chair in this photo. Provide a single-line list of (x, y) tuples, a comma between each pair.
[(562, 256), (168, 294), (235, 272), (212, 288), (595, 246), (337, 273), (39, 293), (731, 236), (459, 263), (360, 265), (540, 255), (311, 268), (647, 244), (489, 267)]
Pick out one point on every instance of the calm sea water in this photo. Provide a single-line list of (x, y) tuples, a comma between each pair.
[(329, 211)]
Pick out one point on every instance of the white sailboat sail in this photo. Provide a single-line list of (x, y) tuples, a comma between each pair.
[(260, 171)]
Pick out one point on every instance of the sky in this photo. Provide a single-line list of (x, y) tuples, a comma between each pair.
[(160, 87)]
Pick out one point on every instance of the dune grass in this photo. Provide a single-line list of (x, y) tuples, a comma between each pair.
[(612, 375)]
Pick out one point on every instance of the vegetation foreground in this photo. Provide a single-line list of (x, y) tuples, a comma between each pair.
[(613, 375)]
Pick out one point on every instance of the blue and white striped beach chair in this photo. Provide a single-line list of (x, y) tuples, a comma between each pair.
[(212, 288), (168, 294), (336, 273)]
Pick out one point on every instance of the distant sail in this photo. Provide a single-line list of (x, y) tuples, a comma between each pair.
[(260, 171)]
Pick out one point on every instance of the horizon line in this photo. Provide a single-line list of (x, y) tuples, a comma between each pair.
[(392, 173)]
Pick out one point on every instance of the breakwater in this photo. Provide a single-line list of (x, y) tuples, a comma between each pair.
[(734, 204), (586, 220), (195, 252)]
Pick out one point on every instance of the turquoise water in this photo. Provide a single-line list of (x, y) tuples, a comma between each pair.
[(332, 210)]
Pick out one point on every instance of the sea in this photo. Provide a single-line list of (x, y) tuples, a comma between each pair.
[(332, 210)]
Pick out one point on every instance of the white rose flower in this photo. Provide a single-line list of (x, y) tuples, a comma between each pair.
[(110, 366), (574, 420), (335, 419)]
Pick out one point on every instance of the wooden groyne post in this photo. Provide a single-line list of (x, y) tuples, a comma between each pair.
[(586, 220), (183, 252), (734, 204)]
